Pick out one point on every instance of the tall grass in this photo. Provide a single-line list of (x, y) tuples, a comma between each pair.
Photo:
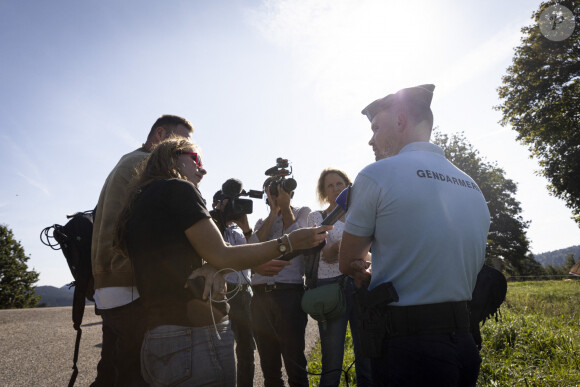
[(348, 369), (536, 342)]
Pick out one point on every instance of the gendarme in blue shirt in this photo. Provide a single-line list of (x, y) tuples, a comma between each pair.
[(429, 223)]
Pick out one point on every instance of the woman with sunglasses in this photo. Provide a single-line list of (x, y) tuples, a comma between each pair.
[(332, 333), (166, 231)]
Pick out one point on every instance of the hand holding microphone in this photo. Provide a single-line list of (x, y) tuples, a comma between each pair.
[(343, 201)]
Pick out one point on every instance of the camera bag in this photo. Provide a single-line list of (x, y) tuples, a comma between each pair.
[(74, 239), (325, 303)]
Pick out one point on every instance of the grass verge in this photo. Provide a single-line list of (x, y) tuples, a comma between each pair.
[(536, 342)]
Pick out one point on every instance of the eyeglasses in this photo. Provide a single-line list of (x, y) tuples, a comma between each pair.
[(195, 157)]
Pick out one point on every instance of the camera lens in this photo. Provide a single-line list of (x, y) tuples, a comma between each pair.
[(289, 185)]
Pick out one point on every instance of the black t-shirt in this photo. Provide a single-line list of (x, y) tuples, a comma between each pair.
[(161, 254)]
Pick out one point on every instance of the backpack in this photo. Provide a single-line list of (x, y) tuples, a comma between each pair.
[(489, 293), (74, 239)]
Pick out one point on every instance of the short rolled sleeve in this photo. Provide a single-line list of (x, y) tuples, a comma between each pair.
[(362, 212), (186, 203)]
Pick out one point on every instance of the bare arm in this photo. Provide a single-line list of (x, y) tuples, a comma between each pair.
[(264, 231), (272, 267), (213, 281), (288, 217), (330, 252), (353, 255), (244, 225), (207, 241)]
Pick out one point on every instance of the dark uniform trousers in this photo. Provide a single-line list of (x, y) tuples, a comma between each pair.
[(427, 345)]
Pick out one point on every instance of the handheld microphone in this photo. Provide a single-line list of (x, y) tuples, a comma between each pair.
[(342, 202)]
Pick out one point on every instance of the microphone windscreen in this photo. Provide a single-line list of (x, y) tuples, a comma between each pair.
[(232, 187)]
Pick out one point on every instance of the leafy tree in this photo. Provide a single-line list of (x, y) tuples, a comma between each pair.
[(541, 101), (564, 269), (570, 262), (531, 267), (16, 281), (507, 238)]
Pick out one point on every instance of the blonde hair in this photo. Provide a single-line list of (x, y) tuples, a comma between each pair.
[(322, 198)]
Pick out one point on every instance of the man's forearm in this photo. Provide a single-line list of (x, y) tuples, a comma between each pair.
[(288, 218), (352, 248), (263, 233)]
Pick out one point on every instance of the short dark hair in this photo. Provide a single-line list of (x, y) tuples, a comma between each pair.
[(169, 123)]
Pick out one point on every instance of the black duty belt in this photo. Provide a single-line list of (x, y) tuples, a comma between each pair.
[(265, 288), (431, 319)]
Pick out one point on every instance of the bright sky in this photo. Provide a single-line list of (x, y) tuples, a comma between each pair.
[(83, 81)]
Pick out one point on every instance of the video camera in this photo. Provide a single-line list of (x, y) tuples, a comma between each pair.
[(236, 206), (278, 174)]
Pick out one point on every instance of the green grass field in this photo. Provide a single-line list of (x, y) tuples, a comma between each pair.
[(535, 343)]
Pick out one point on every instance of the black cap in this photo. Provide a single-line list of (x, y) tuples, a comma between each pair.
[(418, 96), (218, 196)]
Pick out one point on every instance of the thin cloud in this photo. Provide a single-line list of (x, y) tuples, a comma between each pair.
[(18, 156), (125, 137), (34, 183), (481, 59)]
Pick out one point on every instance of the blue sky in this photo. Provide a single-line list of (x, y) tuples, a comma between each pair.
[(83, 81)]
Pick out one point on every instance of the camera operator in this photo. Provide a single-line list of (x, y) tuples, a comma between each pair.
[(235, 229), (279, 322)]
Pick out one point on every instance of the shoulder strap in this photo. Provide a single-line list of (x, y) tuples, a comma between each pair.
[(78, 310), (311, 262)]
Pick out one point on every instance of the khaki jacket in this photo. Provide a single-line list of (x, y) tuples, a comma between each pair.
[(110, 269)]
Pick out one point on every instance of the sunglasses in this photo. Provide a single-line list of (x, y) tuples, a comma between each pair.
[(195, 157)]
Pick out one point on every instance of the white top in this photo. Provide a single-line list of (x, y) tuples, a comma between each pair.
[(327, 270), (291, 274), (428, 221), (235, 236), (113, 297)]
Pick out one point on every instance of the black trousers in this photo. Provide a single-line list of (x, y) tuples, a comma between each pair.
[(123, 331), (427, 360), (279, 328), (241, 320)]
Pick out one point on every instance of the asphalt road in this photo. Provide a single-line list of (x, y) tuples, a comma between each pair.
[(37, 347)]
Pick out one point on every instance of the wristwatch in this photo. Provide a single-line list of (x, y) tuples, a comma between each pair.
[(282, 248)]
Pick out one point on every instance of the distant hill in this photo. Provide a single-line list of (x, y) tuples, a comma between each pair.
[(53, 296), (557, 258)]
